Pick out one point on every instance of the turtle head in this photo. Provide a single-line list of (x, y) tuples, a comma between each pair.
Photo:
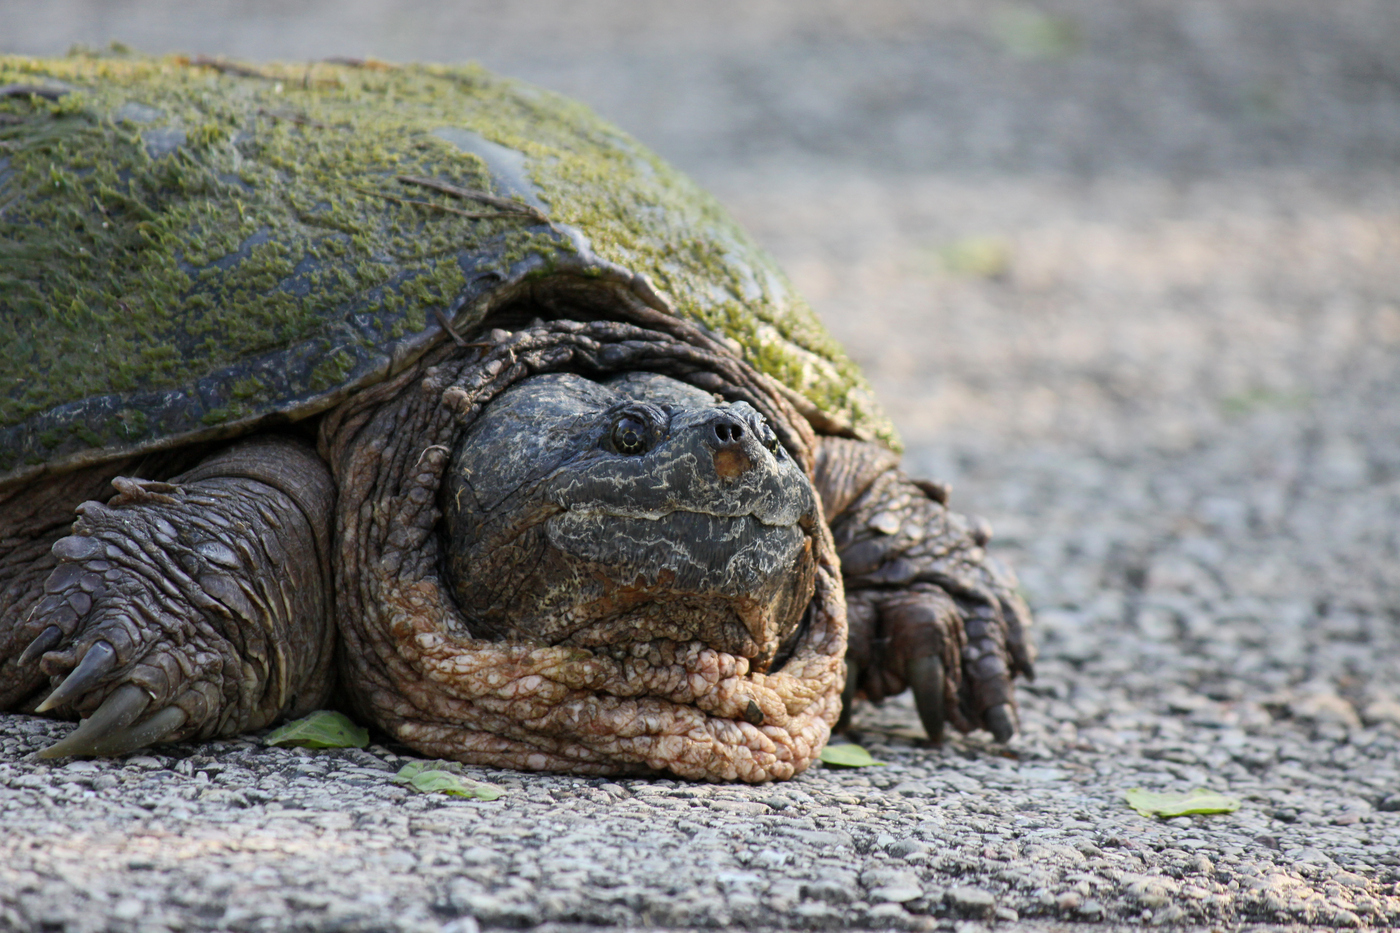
[(609, 515)]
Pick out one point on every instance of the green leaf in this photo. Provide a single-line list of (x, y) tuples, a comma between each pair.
[(848, 755), (977, 257), (321, 729), (1032, 35), (444, 777), (1172, 804)]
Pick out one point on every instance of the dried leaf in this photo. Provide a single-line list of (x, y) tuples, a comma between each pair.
[(444, 777), (1171, 803), (321, 729), (848, 755)]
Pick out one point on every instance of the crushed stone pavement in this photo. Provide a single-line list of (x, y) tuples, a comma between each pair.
[(236, 836), (1129, 280)]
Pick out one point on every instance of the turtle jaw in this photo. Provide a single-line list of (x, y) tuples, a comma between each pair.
[(592, 578), (731, 582)]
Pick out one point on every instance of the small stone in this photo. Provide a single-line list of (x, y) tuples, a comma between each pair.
[(1382, 710), (1151, 892), (816, 913), (462, 925), (741, 807), (889, 915), (1324, 708), (887, 876), (1171, 914), (1350, 879), (128, 908), (971, 901), (502, 911), (912, 789), (905, 848), (1345, 918), (830, 890), (1069, 900), (1390, 804), (896, 893)]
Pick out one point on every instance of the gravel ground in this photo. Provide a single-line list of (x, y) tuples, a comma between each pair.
[(1129, 276)]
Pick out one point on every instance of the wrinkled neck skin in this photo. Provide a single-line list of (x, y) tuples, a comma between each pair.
[(556, 557)]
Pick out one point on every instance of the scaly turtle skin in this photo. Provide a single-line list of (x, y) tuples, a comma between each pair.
[(434, 385)]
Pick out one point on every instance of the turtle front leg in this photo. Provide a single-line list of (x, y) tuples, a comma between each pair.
[(927, 607), (192, 608)]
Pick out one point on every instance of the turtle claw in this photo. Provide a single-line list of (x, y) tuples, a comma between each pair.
[(97, 662), (1001, 722), (151, 730), (926, 678), (43, 643), (154, 728), (116, 713)]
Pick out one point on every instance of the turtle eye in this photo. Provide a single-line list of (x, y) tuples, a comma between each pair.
[(768, 438), (631, 435)]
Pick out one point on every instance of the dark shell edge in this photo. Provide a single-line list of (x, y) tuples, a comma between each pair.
[(108, 427)]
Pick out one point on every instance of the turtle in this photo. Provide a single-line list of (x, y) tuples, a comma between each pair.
[(428, 394)]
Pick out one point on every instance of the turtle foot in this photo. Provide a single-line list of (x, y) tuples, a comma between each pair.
[(120, 642), (928, 609), (179, 611)]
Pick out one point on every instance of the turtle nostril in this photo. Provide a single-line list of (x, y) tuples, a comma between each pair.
[(727, 433)]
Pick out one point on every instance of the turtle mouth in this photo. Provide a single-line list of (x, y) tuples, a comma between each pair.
[(735, 583), (592, 578), (762, 516), (703, 551)]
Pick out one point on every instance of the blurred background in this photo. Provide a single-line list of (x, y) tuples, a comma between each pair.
[(1126, 273)]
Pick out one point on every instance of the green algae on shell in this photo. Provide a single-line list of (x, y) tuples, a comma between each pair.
[(189, 251)]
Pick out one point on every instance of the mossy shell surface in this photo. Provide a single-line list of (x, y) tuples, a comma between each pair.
[(192, 250)]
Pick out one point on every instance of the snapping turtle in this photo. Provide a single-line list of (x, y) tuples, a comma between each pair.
[(428, 392)]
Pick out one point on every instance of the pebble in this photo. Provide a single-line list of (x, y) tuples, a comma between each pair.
[(896, 893), (971, 901), (1325, 708), (1382, 711)]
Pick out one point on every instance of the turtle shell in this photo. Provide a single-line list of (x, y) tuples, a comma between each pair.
[(192, 249)]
